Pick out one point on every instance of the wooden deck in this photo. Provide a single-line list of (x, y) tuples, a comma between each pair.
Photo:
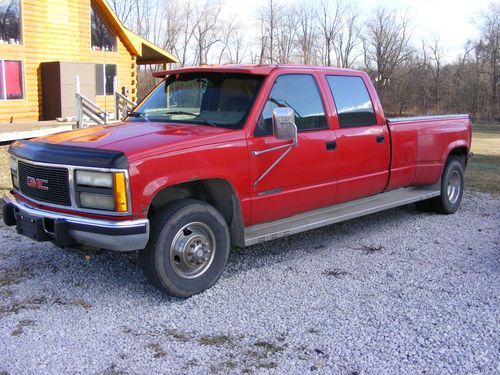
[(23, 130)]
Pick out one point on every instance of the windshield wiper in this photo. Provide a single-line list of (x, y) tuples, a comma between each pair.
[(179, 113), (283, 103), (205, 121), (136, 114)]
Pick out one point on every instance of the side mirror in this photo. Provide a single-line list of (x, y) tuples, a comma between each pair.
[(284, 124)]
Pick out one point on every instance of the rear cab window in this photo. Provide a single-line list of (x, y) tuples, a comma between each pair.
[(299, 92), (353, 103)]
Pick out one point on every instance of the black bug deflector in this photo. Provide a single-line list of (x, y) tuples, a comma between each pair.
[(71, 155)]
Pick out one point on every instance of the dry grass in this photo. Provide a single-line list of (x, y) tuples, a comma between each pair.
[(483, 173), (5, 182), (486, 139)]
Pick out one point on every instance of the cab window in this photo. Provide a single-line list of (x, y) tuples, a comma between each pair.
[(353, 103), (299, 92)]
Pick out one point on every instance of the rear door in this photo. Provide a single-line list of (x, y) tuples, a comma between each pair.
[(305, 178), (363, 145)]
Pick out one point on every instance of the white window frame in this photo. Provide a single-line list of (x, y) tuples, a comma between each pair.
[(104, 81), (4, 81)]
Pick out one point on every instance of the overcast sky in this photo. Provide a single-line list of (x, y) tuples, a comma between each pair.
[(451, 20)]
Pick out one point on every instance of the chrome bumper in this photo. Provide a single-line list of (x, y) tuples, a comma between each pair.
[(66, 230)]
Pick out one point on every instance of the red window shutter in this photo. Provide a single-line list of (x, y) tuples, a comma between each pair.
[(14, 79), (2, 94)]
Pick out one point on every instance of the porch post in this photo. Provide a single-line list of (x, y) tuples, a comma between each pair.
[(78, 98), (117, 99)]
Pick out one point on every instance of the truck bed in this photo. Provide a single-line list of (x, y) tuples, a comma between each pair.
[(420, 146)]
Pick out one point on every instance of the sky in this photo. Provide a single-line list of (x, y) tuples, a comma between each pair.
[(451, 20)]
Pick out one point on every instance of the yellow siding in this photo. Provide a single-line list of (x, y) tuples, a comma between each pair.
[(58, 30)]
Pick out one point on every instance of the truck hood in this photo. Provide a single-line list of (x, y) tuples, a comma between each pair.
[(138, 140)]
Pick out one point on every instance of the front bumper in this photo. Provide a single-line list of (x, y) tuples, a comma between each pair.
[(66, 230)]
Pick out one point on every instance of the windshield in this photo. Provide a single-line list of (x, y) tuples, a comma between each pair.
[(213, 99)]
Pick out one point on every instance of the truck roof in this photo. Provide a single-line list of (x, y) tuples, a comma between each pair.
[(257, 69)]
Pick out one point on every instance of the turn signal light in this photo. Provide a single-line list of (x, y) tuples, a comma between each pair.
[(120, 192)]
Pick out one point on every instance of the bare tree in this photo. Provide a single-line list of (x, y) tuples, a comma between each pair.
[(206, 30), (386, 44), (307, 32), (330, 23), (286, 35), (268, 17), (187, 32), (263, 41), (227, 30), (408, 81), (235, 46), (347, 38), (123, 9), (435, 65), (489, 47)]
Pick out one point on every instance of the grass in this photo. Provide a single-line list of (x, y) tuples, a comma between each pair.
[(5, 181), (482, 174)]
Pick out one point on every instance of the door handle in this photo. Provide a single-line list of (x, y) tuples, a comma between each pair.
[(380, 139), (331, 146)]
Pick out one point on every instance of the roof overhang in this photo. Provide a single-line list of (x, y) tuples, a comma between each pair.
[(263, 70), (145, 51)]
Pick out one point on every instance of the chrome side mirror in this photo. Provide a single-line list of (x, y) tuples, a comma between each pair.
[(284, 124)]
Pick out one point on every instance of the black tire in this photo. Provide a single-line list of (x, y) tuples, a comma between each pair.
[(188, 248), (452, 188)]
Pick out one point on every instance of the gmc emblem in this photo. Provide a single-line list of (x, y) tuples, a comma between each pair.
[(37, 183)]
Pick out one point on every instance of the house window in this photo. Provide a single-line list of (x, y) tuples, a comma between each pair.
[(10, 21), (104, 77), (102, 37), (11, 80)]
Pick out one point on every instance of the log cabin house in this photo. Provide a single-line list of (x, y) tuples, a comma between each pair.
[(46, 44)]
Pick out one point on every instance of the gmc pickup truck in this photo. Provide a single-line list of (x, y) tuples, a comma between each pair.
[(229, 155)]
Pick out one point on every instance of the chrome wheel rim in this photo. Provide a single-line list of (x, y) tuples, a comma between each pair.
[(192, 250), (454, 187)]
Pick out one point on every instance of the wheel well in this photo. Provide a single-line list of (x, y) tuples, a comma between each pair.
[(461, 153), (217, 192)]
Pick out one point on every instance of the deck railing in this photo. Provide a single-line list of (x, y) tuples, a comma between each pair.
[(86, 109), (123, 106)]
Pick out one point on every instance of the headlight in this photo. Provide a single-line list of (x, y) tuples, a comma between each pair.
[(106, 191), (97, 201), (91, 178)]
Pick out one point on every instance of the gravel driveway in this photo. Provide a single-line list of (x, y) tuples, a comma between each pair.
[(396, 292)]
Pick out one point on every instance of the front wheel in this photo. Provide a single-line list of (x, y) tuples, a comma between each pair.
[(188, 248)]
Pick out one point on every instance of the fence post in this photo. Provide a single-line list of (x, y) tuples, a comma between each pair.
[(78, 103), (117, 106), (77, 84), (115, 90)]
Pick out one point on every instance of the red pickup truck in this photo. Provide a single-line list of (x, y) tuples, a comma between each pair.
[(232, 155)]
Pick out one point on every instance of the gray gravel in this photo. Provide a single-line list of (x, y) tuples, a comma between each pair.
[(396, 292)]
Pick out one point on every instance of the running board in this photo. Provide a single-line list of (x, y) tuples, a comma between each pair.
[(339, 212)]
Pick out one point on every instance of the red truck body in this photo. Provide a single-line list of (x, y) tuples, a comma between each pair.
[(329, 166)]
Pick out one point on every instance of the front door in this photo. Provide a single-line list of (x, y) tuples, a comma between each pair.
[(305, 178)]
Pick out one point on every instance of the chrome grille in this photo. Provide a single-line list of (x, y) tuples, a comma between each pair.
[(57, 183)]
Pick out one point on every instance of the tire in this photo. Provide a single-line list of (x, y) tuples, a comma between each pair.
[(187, 249), (452, 188)]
